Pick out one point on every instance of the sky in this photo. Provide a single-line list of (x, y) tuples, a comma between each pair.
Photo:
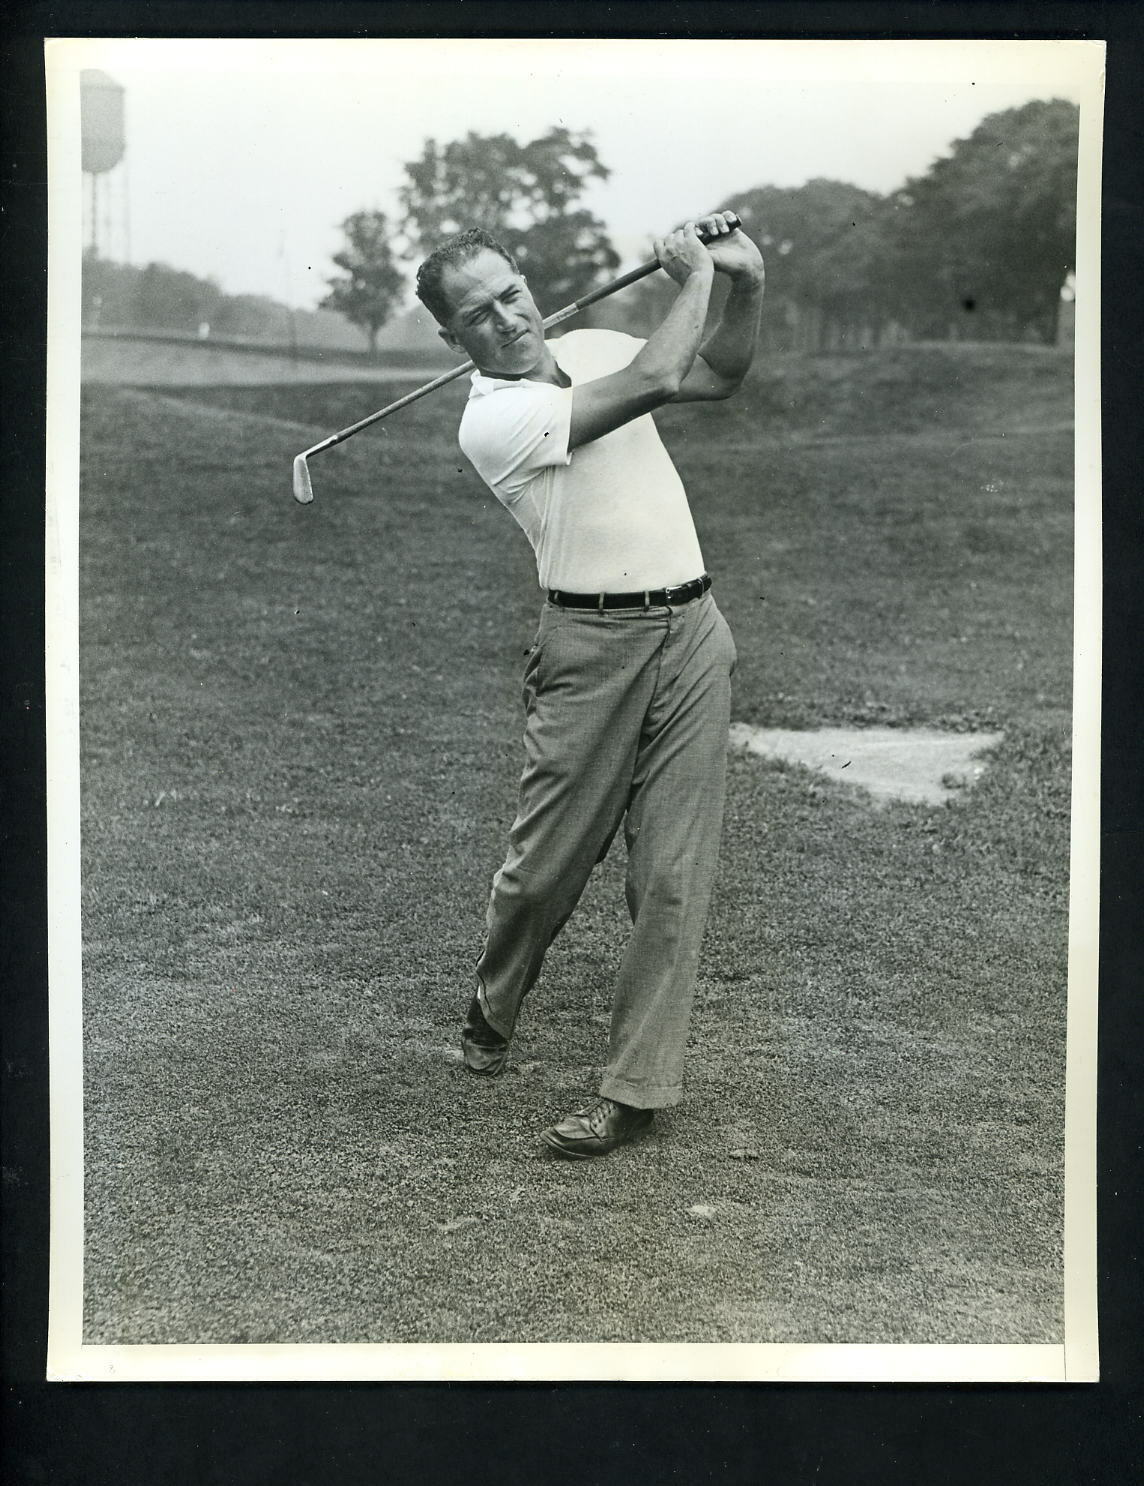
[(244, 156)]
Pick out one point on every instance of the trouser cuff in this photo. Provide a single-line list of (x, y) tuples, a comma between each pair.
[(641, 1096), (489, 1015)]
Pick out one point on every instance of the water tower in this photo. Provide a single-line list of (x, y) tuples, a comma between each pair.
[(104, 146)]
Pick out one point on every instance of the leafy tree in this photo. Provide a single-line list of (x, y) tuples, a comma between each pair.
[(251, 315), (823, 243), (797, 225), (370, 285), (987, 237), (110, 292), (526, 195), (157, 297), (171, 299), (979, 246)]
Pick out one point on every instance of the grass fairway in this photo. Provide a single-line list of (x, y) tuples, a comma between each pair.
[(300, 751)]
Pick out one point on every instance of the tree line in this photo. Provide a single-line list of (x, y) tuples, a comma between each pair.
[(979, 247), (125, 296)]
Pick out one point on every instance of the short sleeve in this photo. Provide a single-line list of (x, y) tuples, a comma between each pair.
[(510, 435)]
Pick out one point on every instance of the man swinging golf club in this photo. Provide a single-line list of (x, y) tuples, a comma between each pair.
[(627, 689)]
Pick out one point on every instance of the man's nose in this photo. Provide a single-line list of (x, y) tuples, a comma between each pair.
[(504, 316)]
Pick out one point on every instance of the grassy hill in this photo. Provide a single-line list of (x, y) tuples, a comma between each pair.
[(300, 751)]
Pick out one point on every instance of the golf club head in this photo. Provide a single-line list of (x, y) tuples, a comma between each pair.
[(303, 490)]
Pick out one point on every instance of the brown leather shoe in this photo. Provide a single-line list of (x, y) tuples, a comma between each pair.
[(485, 1050), (598, 1128)]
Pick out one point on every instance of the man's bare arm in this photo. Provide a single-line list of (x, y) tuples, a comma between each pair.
[(657, 372), (725, 356)]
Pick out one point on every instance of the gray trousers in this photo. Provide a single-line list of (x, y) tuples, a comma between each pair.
[(627, 714)]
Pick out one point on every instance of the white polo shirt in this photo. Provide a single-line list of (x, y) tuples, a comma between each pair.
[(612, 516)]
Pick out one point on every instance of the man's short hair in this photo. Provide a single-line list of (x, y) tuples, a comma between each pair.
[(455, 250)]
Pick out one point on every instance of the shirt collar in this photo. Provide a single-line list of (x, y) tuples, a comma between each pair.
[(482, 385)]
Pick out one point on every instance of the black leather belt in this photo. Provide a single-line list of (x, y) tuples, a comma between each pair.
[(645, 598)]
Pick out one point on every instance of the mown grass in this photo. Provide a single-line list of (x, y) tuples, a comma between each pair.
[(300, 749)]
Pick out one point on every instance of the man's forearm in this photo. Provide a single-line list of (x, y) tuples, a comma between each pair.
[(673, 346), (730, 348)]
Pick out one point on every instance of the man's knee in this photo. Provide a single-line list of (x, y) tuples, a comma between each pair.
[(533, 889), (659, 887)]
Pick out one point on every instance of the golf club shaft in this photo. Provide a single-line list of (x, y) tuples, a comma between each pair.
[(302, 490)]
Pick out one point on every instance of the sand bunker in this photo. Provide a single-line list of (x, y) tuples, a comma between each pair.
[(917, 765)]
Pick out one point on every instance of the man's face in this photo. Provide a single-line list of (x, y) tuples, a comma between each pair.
[(494, 317)]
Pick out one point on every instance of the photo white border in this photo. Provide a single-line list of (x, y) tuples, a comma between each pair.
[(68, 1358)]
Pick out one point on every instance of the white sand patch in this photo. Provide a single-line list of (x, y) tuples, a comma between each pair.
[(918, 765)]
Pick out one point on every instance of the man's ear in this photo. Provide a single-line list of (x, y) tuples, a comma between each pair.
[(453, 344)]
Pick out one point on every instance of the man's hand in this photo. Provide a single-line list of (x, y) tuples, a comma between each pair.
[(731, 250), (681, 254)]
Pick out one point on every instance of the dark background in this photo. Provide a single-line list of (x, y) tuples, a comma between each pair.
[(253, 1433)]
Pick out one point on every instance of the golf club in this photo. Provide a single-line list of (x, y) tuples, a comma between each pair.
[(304, 490)]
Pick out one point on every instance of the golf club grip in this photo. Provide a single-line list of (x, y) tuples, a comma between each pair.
[(631, 277)]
